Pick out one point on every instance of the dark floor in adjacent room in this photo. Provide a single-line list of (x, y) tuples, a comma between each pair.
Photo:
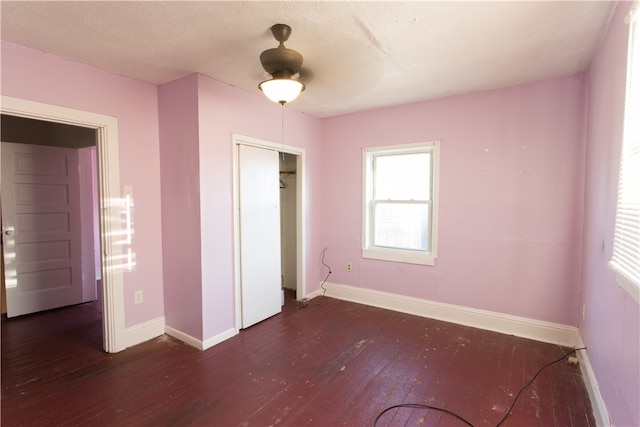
[(333, 363)]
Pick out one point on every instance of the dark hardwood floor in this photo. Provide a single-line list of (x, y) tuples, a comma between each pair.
[(333, 363)]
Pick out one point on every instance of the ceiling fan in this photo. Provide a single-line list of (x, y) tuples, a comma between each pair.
[(283, 64)]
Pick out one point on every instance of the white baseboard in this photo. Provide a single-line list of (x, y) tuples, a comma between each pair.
[(314, 294), (144, 331), (194, 342), (600, 412), (513, 325), (223, 336), (199, 344)]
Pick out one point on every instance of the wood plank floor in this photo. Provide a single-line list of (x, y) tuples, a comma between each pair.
[(333, 363)]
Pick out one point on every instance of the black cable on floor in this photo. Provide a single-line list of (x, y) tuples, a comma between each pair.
[(328, 273), (453, 414), (532, 379), (421, 406)]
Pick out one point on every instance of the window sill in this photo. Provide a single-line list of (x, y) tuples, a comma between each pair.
[(626, 284), (399, 256)]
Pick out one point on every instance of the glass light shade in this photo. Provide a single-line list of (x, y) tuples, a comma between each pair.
[(281, 90)]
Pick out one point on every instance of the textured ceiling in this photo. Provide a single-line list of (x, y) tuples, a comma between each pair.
[(357, 55)]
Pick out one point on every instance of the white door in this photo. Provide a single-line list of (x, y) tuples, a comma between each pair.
[(41, 227), (259, 233)]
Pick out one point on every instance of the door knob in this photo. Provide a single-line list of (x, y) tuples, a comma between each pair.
[(9, 232)]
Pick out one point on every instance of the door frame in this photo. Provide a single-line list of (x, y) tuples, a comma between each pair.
[(301, 287), (106, 128)]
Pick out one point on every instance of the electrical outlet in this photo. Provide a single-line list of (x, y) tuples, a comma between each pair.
[(349, 266), (137, 297)]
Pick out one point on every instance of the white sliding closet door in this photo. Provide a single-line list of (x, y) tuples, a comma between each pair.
[(259, 233)]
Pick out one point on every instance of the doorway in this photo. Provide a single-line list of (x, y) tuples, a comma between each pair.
[(49, 214), (288, 220), (109, 200), (290, 161)]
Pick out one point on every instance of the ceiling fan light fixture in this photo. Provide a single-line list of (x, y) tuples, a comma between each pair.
[(281, 90), (282, 63)]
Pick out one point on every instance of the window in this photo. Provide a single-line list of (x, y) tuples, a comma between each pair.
[(400, 203), (626, 241)]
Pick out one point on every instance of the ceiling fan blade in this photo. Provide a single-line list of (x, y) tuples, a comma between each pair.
[(306, 75)]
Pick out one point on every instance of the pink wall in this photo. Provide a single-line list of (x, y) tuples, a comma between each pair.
[(35, 76), (198, 116), (511, 186), (179, 161), (194, 137), (611, 326), (224, 110)]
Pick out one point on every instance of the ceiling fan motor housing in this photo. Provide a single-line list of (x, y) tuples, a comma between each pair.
[(281, 62)]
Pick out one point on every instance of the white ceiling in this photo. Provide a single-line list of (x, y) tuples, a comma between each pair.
[(358, 55)]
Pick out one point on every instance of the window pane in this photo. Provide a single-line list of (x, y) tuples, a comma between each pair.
[(403, 177), (626, 240), (404, 226)]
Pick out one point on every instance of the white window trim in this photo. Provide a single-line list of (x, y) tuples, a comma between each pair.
[(626, 283), (629, 284), (392, 254)]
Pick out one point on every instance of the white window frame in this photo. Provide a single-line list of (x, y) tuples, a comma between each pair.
[(625, 260), (369, 250)]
